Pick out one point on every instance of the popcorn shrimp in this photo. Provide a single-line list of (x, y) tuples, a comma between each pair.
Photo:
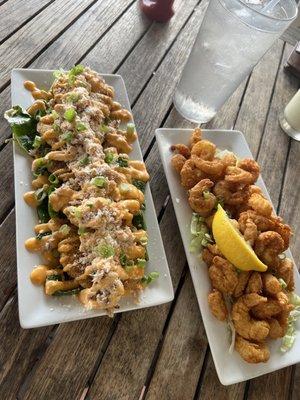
[(201, 199)]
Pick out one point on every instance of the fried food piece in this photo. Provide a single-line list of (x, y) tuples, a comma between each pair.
[(229, 159), (267, 310), (285, 271), (261, 205), (201, 199), (243, 278), (190, 175), (181, 149), (204, 149), (244, 324), (177, 162), (271, 284), (250, 232), (268, 246), (232, 194), (209, 252), (196, 137), (255, 283), (246, 172), (263, 224), (284, 231), (276, 330), (251, 352), (223, 275), (217, 305), (214, 168)]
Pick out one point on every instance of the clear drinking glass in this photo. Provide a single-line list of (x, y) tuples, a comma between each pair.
[(233, 37)]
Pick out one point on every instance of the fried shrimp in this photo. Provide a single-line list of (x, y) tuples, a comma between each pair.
[(196, 137), (267, 310), (271, 284), (231, 194), (268, 246), (261, 205), (181, 149), (190, 175), (251, 352), (285, 271), (204, 149), (250, 232), (276, 330), (244, 324), (201, 199), (255, 283), (217, 305), (243, 278), (246, 172), (284, 231), (223, 275), (263, 224), (177, 162), (213, 167), (209, 252)]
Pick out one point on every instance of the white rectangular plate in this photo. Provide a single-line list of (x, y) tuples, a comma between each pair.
[(35, 308), (230, 367)]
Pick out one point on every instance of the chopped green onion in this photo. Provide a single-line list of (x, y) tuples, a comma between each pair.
[(54, 114), (206, 194), (37, 142), (56, 128), (80, 127), (40, 166), (53, 179), (58, 73), (70, 114), (105, 250), (77, 212), (147, 279), (67, 137), (144, 240), (99, 181), (90, 205), (52, 213), (122, 161), (282, 283), (123, 259), (73, 97), (40, 195), (81, 230), (85, 160), (138, 221), (130, 129), (109, 158), (139, 184), (103, 128), (65, 229), (141, 262), (76, 70)]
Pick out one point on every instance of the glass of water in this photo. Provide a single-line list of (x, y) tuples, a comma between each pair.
[(233, 37)]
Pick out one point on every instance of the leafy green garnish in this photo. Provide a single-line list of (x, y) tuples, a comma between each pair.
[(58, 73), (139, 184), (67, 137), (85, 160), (42, 211), (109, 158), (52, 213), (73, 97), (138, 221), (70, 114), (141, 262), (123, 259), (105, 250), (40, 166), (99, 181), (40, 195), (23, 126), (130, 129), (80, 127), (37, 142), (200, 234), (53, 179), (147, 279)]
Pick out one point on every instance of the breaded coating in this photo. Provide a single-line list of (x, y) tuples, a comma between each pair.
[(252, 352), (223, 275), (255, 284), (217, 305)]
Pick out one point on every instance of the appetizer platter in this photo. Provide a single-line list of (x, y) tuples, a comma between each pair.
[(88, 241), (244, 276)]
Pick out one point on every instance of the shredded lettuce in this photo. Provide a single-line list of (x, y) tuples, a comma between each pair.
[(290, 336), (200, 234)]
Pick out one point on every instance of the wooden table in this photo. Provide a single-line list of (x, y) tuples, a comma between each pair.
[(161, 352)]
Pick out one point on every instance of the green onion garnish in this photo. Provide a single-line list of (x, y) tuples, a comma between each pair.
[(65, 229), (122, 161), (37, 142), (99, 181), (109, 158), (139, 184), (67, 136), (103, 128), (130, 129), (53, 179), (105, 250), (54, 114), (147, 279), (85, 160), (81, 230), (40, 235), (70, 114), (141, 262), (80, 127)]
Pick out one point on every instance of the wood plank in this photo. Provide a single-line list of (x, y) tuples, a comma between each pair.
[(295, 384), (19, 350), (254, 108), (7, 180), (140, 330), (5, 104), (211, 387), (69, 358), (275, 386), (140, 64), (24, 45), (8, 256), (183, 350), (87, 30), (16, 12), (274, 146)]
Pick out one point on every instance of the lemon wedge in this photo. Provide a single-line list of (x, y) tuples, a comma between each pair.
[(232, 244)]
